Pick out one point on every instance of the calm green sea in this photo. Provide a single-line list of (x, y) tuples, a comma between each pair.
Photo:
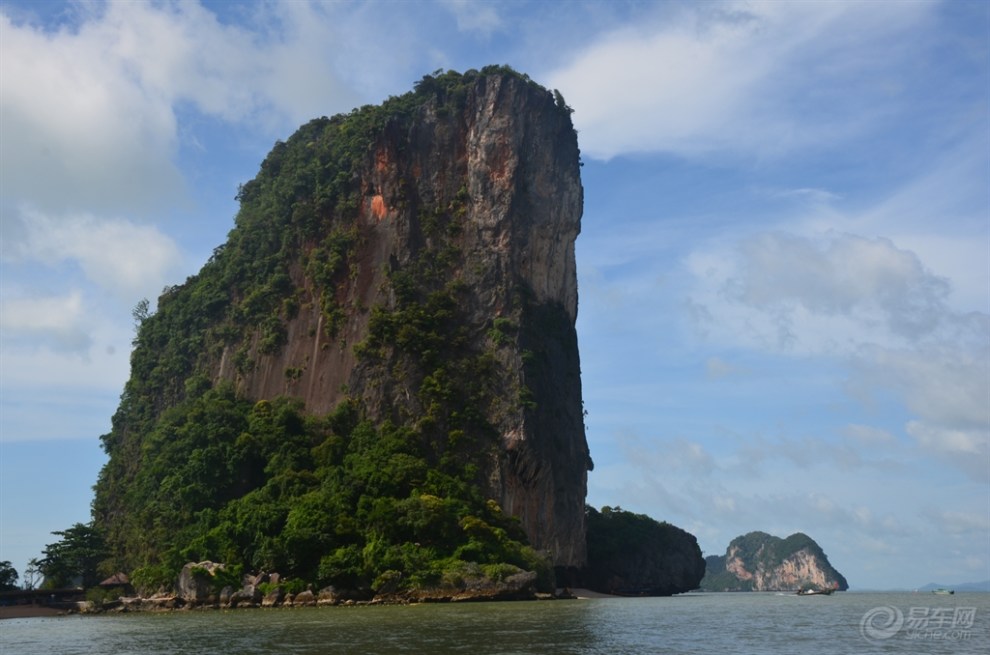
[(751, 623)]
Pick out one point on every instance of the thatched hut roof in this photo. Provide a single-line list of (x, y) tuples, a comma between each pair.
[(116, 580)]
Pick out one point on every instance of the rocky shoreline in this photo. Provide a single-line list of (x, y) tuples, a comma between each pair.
[(197, 588), (173, 603)]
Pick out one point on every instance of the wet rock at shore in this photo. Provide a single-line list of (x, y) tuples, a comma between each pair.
[(304, 599), (195, 583)]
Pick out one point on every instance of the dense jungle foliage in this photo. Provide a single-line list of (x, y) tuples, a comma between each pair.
[(327, 500), (197, 472)]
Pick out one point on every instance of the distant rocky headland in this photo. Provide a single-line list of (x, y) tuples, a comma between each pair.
[(762, 562)]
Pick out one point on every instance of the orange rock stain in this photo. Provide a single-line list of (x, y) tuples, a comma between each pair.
[(378, 208)]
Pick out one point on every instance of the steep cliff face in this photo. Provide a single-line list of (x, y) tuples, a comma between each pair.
[(417, 259), (761, 562), (632, 554)]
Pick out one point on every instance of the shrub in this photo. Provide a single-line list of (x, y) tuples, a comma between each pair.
[(153, 579)]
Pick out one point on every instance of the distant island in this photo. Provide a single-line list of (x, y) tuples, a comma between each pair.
[(963, 586), (758, 561)]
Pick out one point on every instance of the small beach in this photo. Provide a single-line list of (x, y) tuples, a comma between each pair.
[(28, 611), (585, 594)]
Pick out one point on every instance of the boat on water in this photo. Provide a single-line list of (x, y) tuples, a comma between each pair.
[(816, 591), (943, 592)]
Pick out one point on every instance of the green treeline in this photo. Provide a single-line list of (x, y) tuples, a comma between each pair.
[(326, 500)]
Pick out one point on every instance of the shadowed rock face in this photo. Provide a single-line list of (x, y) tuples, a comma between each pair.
[(505, 167), (632, 554)]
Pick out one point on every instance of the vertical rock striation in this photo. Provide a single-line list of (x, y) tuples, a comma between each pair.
[(511, 157)]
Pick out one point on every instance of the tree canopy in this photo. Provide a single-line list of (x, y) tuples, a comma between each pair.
[(8, 576), (74, 559)]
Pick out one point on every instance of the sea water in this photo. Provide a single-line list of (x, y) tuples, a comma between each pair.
[(750, 623)]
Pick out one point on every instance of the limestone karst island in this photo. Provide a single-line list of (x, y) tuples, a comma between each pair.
[(758, 561), (371, 392)]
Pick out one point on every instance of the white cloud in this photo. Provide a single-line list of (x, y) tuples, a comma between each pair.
[(945, 388), (53, 392), (76, 131), (969, 450), (868, 280), (759, 77), (960, 523), (97, 366), (474, 16), (181, 52), (870, 305), (62, 361), (759, 455), (948, 385), (128, 259), (55, 319), (939, 213), (827, 295), (90, 114)]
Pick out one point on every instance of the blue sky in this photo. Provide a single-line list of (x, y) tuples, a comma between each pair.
[(784, 268)]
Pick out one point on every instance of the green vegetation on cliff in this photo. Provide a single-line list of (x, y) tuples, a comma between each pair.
[(329, 500), (197, 471)]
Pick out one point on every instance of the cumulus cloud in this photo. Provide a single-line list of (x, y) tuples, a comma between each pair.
[(90, 112), (868, 279), (128, 259), (830, 294), (945, 388), (55, 320), (759, 77), (76, 130), (960, 523), (969, 450), (947, 384), (874, 307)]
